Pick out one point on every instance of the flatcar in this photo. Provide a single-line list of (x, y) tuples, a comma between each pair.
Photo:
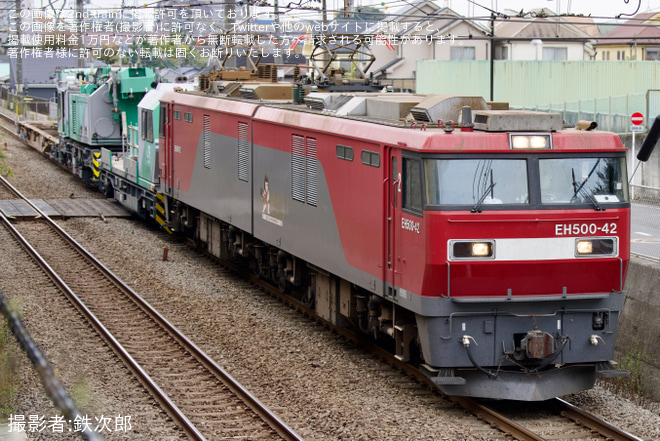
[(492, 253), (489, 247)]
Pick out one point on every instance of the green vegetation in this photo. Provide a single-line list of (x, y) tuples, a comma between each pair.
[(633, 386), (81, 393), (4, 168), (9, 381)]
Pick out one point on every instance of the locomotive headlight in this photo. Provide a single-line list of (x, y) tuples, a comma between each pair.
[(596, 247), (584, 247), (482, 249), (472, 249), (530, 141)]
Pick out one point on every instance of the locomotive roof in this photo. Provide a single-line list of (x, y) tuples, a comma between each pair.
[(403, 132)]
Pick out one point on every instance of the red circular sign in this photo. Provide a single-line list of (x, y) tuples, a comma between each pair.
[(637, 118)]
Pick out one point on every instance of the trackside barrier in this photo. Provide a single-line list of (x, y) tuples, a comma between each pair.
[(53, 387)]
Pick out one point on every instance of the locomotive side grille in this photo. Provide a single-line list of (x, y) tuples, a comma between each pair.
[(243, 151), (298, 168), (206, 136), (74, 118), (311, 171)]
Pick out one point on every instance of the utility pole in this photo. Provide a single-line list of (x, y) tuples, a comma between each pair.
[(492, 56), (80, 62), (19, 61), (230, 20), (278, 52)]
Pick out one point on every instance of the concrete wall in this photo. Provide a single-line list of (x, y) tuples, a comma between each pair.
[(639, 326)]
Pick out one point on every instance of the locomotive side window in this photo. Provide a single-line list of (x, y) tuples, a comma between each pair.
[(370, 158), (177, 115), (163, 118), (412, 185), (395, 177), (187, 117), (147, 125), (476, 182), (345, 152)]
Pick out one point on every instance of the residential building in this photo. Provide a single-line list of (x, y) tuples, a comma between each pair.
[(636, 39), (424, 31), (543, 36)]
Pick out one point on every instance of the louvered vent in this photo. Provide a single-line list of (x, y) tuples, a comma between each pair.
[(243, 151), (481, 119), (338, 102), (206, 134), (311, 171), (248, 93), (420, 115), (298, 168), (74, 117)]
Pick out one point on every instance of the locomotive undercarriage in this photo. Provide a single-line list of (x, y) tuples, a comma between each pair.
[(531, 363), (334, 299)]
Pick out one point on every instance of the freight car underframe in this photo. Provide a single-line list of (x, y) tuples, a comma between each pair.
[(79, 158), (94, 166), (496, 350)]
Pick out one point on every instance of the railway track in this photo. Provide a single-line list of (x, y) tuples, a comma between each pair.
[(551, 420), (195, 392)]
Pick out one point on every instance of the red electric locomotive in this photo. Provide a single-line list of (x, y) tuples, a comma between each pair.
[(492, 253)]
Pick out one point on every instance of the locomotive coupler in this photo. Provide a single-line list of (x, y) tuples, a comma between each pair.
[(538, 344)]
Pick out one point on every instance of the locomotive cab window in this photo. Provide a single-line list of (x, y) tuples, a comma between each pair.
[(177, 115), (411, 187), (579, 180)]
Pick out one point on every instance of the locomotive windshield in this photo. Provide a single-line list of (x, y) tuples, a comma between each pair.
[(476, 181), (525, 182), (583, 180)]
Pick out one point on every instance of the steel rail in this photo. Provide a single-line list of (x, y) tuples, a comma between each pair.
[(583, 418), (251, 401)]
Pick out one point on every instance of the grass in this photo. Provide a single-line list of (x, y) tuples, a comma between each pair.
[(9, 380), (4, 168), (632, 387)]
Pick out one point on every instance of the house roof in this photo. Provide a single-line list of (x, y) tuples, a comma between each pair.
[(429, 16), (645, 31), (543, 24), (40, 70), (586, 25)]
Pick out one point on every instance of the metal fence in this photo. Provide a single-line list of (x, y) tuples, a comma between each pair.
[(22, 105), (612, 113), (645, 229)]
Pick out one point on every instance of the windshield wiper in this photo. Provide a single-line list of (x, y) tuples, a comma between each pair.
[(477, 206), (579, 189)]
